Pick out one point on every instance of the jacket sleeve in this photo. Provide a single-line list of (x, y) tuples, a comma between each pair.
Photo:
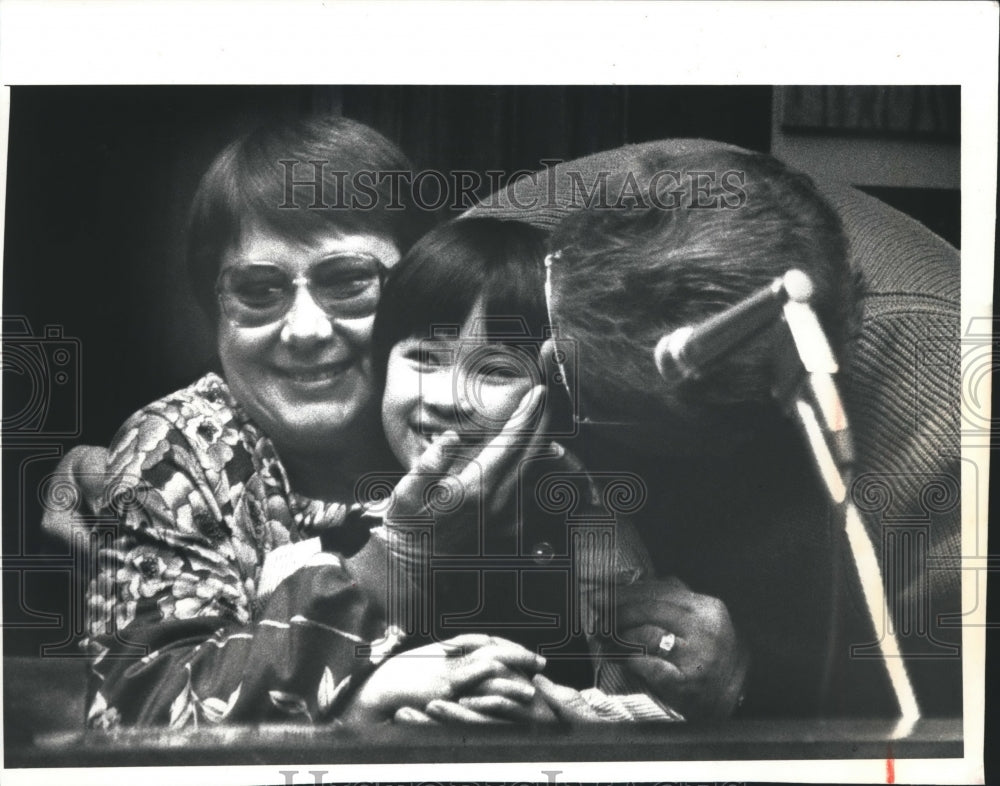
[(179, 634)]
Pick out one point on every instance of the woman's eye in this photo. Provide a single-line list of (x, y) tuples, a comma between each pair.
[(342, 285), (259, 291), (344, 279)]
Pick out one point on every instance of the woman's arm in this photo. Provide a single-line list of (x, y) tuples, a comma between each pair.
[(76, 490), (179, 632)]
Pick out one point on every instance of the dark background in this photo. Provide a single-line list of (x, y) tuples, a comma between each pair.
[(99, 180), (98, 183)]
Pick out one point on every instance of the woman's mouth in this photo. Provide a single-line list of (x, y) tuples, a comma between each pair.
[(316, 375)]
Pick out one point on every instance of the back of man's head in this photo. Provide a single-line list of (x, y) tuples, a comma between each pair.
[(688, 235)]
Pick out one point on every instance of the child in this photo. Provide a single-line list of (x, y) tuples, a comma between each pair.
[(458, 335)]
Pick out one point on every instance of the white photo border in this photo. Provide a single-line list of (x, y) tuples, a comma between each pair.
[(181, 42)]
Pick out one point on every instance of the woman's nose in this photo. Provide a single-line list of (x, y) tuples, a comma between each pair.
[(305, 321)]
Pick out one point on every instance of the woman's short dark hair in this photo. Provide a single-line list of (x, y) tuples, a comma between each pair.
[(258, 179), (439, 281)]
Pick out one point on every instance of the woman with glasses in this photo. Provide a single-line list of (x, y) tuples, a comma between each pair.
[(239, 587)]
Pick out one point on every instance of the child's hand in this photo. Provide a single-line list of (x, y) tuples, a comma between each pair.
[(440, 671), (540, 701), (483, 476), (511, 697)]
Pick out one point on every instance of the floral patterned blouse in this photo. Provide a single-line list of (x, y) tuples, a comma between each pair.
[(182, 630), (213, 602)]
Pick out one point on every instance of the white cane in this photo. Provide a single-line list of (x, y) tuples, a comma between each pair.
[(820, 412)]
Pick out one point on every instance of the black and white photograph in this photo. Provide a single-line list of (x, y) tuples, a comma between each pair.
[(369, 420)]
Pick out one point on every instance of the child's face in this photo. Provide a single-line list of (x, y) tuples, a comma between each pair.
[(465, 384)]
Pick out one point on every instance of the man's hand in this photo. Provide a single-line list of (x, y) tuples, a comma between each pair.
[(695, 661)]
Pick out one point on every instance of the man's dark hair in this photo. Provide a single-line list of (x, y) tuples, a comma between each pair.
[(718, 226)]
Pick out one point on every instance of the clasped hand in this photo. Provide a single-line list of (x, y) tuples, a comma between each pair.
[(442, 671)]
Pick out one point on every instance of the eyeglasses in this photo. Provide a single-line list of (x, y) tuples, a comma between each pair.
[(549, 259), (559, 356), (345, 286)]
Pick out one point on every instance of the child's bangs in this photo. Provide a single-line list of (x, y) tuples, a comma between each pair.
[(513, 304), (435, 288)]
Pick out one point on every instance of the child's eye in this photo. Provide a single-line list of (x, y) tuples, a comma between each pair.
[(500, 366), (499, 371), (428, 358), (431, 359)]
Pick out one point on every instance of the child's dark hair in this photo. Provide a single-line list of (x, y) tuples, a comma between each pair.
[(439, 281), (446, 273)]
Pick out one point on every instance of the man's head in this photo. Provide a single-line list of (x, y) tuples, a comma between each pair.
[(687, 235)]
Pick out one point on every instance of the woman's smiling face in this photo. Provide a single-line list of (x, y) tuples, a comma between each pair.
[(306, 377), (466, 384)]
